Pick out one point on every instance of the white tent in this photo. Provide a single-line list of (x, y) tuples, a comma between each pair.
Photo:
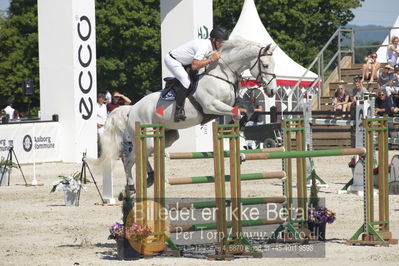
[(382, 51), (250, 27)]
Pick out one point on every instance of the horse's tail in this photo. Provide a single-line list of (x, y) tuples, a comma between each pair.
[(111, 140)]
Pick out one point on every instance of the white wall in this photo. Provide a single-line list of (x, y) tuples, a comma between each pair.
[(67, 54), (182, 21)]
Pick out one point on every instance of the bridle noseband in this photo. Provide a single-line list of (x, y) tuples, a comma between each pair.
[(263, 52)]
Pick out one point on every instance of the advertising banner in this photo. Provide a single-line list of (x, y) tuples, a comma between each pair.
[(33, 142)]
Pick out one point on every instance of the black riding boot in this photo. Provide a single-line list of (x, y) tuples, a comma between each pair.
[(180, 99)]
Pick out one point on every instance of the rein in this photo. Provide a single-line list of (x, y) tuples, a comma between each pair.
[(260, 72)]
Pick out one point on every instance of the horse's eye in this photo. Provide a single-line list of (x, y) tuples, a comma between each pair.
[(266, 66)]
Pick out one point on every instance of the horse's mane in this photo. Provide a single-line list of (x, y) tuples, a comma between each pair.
[(234, 46)]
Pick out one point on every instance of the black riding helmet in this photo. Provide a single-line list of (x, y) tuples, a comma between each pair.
[(396, 67), (219, 33)]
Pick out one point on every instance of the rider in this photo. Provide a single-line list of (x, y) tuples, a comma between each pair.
[(192, 53)]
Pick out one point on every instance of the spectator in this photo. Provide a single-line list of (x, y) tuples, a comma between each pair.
[(385, 77), (101, 118), (117, 100), (10, 111), (341, 101), (393, 52), (384, 104), (108, 97), (370, 68), (358, 91)]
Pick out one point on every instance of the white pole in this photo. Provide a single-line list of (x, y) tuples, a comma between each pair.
[(108, 183), (34, 181)]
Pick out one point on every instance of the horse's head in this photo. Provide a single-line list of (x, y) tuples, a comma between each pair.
[(263, 70)]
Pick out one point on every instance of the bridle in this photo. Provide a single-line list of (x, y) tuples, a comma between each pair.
[(238, 77), (263, 52)]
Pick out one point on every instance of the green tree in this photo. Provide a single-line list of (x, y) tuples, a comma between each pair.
[(128, 46), (19, 53), (128, 39), (300, 28)]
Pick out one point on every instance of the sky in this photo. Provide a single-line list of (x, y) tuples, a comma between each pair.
[(376, 12), (372, 12)]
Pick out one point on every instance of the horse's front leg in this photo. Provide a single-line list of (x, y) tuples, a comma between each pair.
[(218, 107)]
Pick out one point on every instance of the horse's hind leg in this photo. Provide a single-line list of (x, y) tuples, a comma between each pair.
[(128, 159)]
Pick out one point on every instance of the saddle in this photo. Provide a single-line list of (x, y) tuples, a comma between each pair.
[(169, 92)]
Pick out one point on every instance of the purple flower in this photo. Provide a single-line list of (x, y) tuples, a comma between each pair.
[(117, 231), (321, 216)]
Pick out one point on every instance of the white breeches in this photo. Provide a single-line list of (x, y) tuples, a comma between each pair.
[(177, 70)]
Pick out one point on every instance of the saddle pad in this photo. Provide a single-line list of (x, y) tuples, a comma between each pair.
[(168, 94)]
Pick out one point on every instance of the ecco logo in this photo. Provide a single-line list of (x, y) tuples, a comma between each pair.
[(27, 143), (85, 104)]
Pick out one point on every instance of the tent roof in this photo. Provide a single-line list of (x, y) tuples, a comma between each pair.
[(250, 27), (382, 51)]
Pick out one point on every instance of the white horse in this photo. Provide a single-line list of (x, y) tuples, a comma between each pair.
[(216, 94)]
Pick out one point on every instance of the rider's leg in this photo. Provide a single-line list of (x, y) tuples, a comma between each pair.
[(181, 93), (180, 73)]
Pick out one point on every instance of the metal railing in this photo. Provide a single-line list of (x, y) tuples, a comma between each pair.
[(322, 67)]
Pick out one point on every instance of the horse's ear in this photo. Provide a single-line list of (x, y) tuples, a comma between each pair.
[(273, 48), (267, 49)]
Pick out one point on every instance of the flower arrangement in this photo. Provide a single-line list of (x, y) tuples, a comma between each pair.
[(117, 231), (321, 216), (138, 232), (135, 231), (6, 163), (69, 183), (316, 213)]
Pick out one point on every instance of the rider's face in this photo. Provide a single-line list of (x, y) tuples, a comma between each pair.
[(218, 44)]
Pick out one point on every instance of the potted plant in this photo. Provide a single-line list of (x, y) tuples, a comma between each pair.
[(121, 234), (5, 169), (318, 216), (71, 185)]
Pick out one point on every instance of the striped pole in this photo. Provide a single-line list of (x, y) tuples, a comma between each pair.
[(319, 121), (303, 154), (204, 155), (211, 179), (212, 204)]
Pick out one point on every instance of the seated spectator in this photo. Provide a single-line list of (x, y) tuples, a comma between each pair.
[(384, 104), (359, 91), (393, 52), (385, 77), (117, 100), (341, 101), (370, 68)]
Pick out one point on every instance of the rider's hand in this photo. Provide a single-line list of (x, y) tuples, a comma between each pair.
[(215, 56)]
